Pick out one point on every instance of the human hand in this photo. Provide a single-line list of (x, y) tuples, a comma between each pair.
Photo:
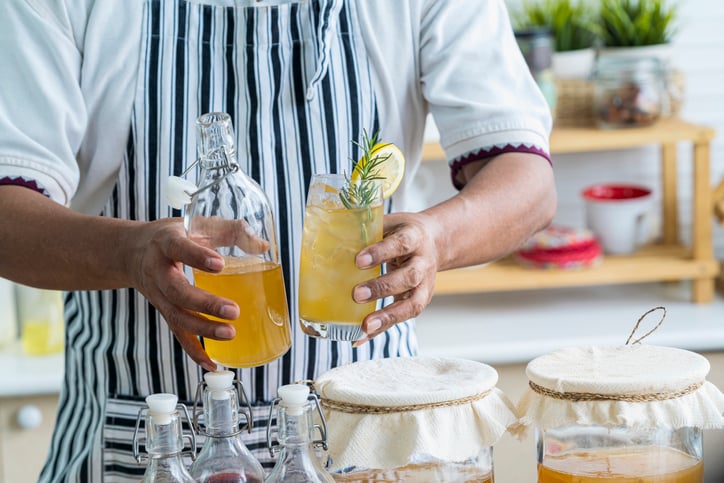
[(409, 249), (159, 251)]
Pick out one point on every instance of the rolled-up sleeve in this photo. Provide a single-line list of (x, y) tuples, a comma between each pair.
[(42, 112), (482, 97)]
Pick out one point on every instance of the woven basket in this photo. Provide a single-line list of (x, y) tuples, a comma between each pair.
[(574, 104)]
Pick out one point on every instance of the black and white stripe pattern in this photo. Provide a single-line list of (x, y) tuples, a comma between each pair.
[(257, 64)]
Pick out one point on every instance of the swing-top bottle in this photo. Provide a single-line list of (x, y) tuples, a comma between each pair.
[(164, 441), (229, 212), (297, 461), (223, 457)]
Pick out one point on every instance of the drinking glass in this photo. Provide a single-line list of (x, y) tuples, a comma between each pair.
[(337, 225)]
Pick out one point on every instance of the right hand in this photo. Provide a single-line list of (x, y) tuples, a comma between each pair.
[(159, 251)]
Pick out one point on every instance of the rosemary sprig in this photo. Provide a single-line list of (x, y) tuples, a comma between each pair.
[(363, 192)]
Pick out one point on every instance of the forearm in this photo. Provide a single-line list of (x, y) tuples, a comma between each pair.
[(50, 246), (503, 203)]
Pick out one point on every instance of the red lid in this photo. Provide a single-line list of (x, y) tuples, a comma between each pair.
[(613, 192)]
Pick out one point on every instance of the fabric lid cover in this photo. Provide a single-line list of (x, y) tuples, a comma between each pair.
[(631, 385), (387, 413)]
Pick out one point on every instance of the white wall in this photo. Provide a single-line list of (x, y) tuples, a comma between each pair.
[(699, 53)]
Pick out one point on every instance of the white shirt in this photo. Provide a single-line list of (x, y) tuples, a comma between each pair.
[(65, 110)]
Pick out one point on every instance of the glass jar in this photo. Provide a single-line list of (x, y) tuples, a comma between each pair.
[(537, 46), (628, 92), (573, 453), (42, 323), (413, 419), (620, 413)]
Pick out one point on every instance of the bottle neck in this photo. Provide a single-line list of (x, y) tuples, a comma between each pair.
[(296, 426), (221, 413), (163, 436)]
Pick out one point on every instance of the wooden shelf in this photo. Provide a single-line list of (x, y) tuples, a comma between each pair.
[(650, 264), (667, 261)]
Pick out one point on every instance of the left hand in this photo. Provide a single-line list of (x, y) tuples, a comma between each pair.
[(409, 249)]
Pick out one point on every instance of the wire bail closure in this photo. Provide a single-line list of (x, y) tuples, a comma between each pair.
[(142, 458), (244, 410), (273, 446)]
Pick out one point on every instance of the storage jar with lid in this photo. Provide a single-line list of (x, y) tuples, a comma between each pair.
[(620, 413), (628, 92), (413, 419)]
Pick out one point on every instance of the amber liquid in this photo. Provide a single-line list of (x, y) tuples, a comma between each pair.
[(262, 330), (624, 465), (419, 473)]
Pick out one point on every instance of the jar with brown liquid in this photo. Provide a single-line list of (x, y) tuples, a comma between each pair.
[(413, 419), (631, 413)]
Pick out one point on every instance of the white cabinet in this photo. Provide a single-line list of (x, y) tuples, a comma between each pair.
[(26, 426)]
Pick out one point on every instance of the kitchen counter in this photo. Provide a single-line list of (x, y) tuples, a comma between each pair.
[(496, 328), (514, 327), (24, 375)]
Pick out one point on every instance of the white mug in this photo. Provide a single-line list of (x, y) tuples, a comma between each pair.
[(617, 215)]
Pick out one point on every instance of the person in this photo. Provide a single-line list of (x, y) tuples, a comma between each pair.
[(97, 110)]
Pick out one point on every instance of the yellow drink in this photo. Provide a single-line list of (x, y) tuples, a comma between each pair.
[(42, 337), (333, 235), (622, 465), (262, 329)]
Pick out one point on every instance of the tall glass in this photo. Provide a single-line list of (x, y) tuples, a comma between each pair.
[(336, 228)]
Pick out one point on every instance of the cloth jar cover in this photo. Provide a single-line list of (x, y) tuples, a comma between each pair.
[(641, 386), (388, 413)]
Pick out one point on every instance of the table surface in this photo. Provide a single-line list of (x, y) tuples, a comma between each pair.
[(24, 375)]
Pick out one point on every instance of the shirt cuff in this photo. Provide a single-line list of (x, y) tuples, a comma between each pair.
[(457, 164), (25, 183)]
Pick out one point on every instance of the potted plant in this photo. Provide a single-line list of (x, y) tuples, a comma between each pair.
[(639, 27), (570, 22)]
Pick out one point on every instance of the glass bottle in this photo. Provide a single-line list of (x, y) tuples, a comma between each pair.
[(164, 441), (224, 458), (230, 213), (297, 461)]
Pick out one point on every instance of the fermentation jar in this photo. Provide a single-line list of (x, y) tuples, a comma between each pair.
[(628, 92), (630, 413), (413, 419)]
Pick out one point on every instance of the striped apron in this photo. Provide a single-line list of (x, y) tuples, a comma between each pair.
[(295, 80)]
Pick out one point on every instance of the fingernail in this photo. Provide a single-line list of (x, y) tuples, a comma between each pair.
[(364, 260), (224, 332), (373, 325), (362, 294), (360, 342), (229, 312), (214, 264), (209, 367)]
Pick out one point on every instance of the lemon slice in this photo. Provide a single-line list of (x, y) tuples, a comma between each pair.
[(392, 169)]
